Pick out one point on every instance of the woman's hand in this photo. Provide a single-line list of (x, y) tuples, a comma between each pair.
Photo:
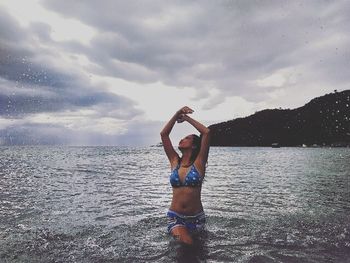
[(181, 114), (181, 118), (184, 110)]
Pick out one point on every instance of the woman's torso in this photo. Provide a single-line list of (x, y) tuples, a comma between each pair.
[(187, 185)]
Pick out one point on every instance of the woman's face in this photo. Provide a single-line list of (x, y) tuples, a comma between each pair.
[(186, 142)]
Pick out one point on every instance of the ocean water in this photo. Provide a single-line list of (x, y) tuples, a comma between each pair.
[(108, 204)]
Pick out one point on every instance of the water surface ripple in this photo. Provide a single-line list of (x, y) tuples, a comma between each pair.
[(108, 204)]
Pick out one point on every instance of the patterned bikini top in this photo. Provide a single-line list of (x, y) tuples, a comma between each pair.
[(192, 178)]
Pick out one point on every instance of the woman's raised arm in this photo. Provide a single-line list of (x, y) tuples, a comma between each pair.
[(205, 141), (164, 134)]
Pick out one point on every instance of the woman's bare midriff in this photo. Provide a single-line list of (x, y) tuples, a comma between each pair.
[(186, 200)]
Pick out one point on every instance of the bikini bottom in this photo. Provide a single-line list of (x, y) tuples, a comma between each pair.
[(193, 223)]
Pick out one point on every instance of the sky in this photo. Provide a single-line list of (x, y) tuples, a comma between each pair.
[(114, 72)]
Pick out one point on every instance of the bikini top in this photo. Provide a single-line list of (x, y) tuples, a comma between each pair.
[(192, 178)]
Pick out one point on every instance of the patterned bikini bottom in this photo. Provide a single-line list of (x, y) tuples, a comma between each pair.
[(193, 223)]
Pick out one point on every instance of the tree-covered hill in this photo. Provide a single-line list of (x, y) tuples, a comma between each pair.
[(323, 121)]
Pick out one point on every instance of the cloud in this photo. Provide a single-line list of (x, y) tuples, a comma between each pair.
[(139, 133), (36, 81), (41, 30), (33, 134), (214, 53), (228, 45), (10, 29), (28, 86)]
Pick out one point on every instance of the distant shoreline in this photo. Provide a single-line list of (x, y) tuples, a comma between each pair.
[(323, 122)]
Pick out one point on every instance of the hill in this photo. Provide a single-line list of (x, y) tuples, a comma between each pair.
[(323, 121)]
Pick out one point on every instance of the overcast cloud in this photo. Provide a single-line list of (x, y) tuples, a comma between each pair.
[(224, 58)]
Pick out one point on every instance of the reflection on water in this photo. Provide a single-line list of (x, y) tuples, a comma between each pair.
[(108, 204)]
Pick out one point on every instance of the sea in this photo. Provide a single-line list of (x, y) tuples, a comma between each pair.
[(109, 204)]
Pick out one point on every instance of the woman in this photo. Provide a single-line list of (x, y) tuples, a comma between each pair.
[(186, 213)]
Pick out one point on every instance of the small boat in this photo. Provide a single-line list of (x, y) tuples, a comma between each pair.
[(275, 145), (160, 144)]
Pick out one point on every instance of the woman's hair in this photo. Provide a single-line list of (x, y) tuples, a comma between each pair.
[(196, 146)]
